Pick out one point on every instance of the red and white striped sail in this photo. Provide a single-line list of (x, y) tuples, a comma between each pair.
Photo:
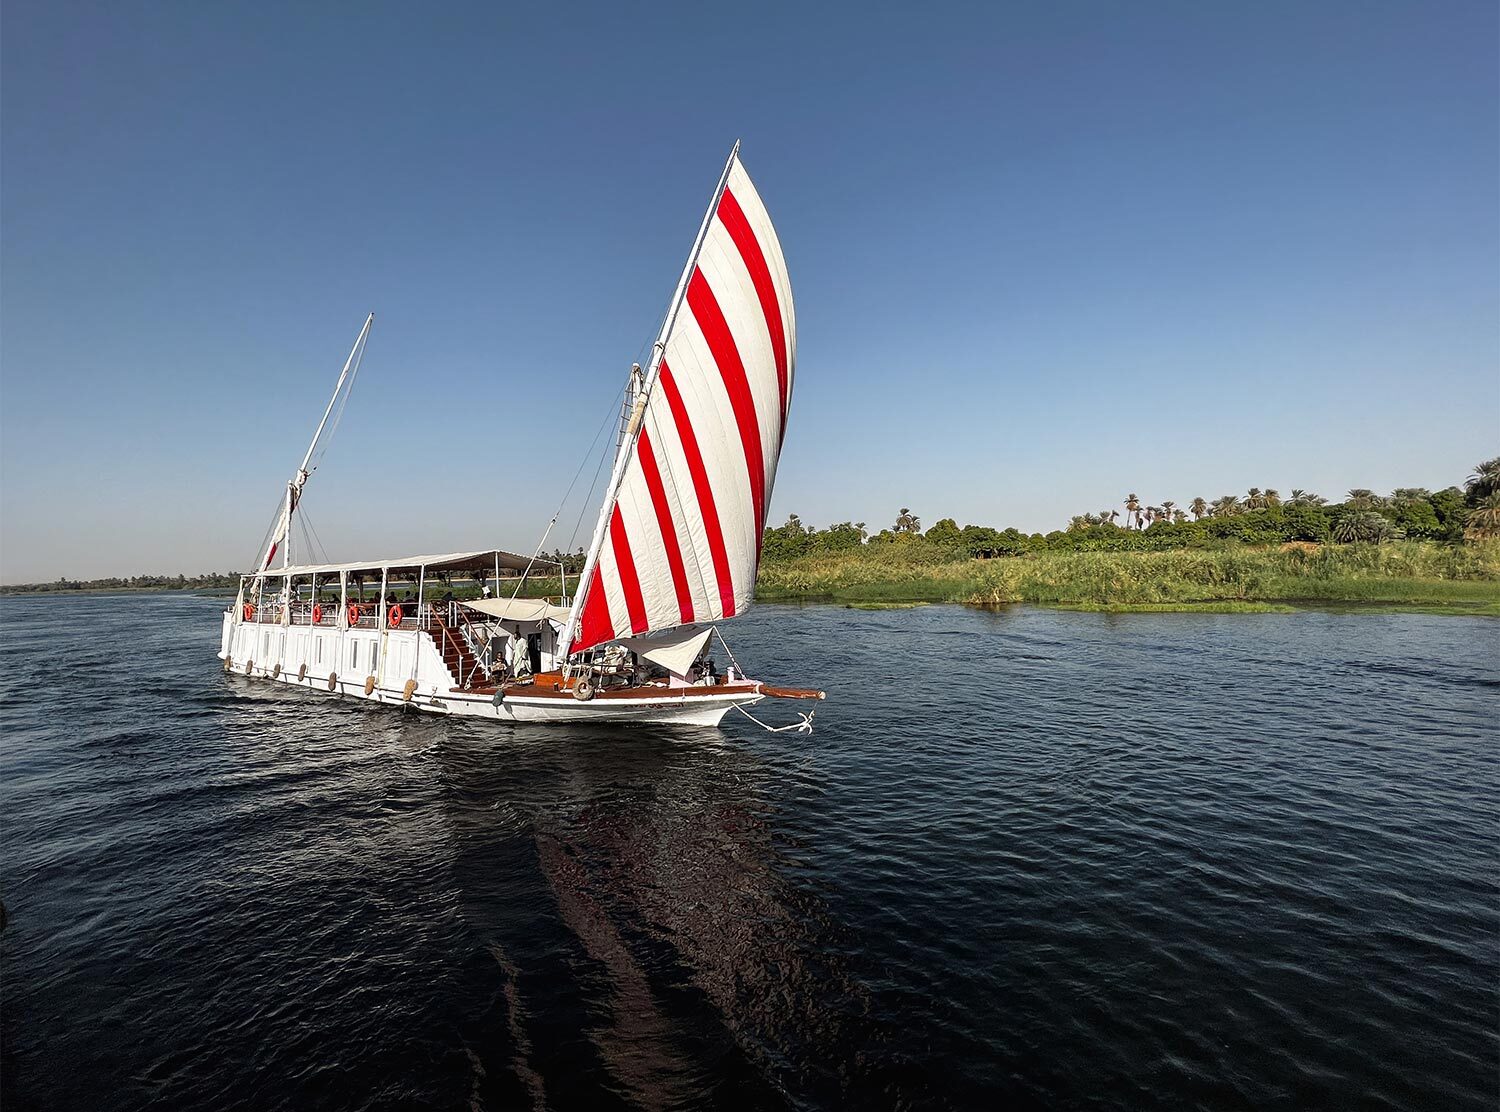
[(683, 537)]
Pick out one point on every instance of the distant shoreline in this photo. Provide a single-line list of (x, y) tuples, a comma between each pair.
[(31, 591), (1410, 575), (1403, 575)]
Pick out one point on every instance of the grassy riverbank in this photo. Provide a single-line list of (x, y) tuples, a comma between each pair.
[(1409, 574)]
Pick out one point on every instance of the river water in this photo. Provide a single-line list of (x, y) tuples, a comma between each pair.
[(1028, 859)]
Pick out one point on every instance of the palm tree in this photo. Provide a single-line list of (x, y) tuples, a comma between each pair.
[(1362, 499), (1166, 509), (1179, 516), (1272, 497), (1353, 526), (1484, 520), (1226, 506), (1199, 508), (1304, 498), (906, 522), (1254, 499), (1112, 515), (1484, 482), (1405, 496), (1150, 515), (1132, 510)]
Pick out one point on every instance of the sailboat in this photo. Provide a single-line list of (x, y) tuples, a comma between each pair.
[(673, 555)]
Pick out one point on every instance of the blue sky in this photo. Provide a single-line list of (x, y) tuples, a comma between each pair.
[(1044, 255)]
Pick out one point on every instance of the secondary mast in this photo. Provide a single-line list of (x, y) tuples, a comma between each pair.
[(281, 535), (633, 426)]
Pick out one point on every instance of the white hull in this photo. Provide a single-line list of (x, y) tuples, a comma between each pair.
[(305, 657)]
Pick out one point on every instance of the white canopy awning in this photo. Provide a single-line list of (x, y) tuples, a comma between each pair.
[(446, 561), (519, 609), (673, 649)]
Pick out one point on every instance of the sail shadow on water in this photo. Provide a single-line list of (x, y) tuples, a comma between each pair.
[(635, 918)]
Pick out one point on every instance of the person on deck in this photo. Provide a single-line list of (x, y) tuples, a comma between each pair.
[(520, 658)]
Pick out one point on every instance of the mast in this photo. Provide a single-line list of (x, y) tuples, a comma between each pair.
[(282, 534), (642, 396)]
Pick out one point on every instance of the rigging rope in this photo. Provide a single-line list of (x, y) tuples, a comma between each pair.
[(315, 543), (333, 428), (265, 540), (609, 416)]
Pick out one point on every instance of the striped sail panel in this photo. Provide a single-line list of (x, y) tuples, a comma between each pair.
[(683, 541)]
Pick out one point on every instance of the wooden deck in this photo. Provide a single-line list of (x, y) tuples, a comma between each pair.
[(552, 685)]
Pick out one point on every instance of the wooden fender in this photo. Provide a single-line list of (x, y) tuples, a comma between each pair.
[(275, 670), (408, 691), (302, 673), (333, 681), (229, 664), (369, 684), (249, 667)]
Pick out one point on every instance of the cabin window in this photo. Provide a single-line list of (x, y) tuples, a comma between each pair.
[(353, 655), (317, 650)]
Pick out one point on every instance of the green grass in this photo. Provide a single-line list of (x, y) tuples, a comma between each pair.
[(1410, 574)]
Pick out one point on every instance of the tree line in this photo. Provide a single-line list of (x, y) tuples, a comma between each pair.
[(1451, 515), (134, 582)]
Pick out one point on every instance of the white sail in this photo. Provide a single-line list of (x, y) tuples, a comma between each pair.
[(679, 536)]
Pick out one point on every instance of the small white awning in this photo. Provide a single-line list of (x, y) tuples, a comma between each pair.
[(674, 649), (519, 609)]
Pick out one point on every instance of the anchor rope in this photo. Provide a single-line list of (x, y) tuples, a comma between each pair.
[(803, 727)]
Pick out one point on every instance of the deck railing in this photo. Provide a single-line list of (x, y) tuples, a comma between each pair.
[(329, 616)]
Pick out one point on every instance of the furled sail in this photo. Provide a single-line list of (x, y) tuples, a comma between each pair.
[(679, 537)]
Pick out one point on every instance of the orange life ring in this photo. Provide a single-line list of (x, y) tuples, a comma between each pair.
[(353, 614), (317, 613), (249, 611), (394, 617)]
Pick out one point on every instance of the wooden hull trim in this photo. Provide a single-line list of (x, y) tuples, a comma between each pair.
[(672, 706)]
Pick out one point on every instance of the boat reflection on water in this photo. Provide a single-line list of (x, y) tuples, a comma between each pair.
[(662, 941)]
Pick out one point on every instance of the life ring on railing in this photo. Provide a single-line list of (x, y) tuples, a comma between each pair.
[(317, 613), (583, 691), (394, 617), (249, 611), (353, 615)]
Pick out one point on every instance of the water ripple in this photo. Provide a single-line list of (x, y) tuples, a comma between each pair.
[(1120, 861)]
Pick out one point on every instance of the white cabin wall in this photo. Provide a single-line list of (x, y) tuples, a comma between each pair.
[(350, 654)]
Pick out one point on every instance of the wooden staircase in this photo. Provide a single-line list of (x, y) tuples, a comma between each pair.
[(462, 664)]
